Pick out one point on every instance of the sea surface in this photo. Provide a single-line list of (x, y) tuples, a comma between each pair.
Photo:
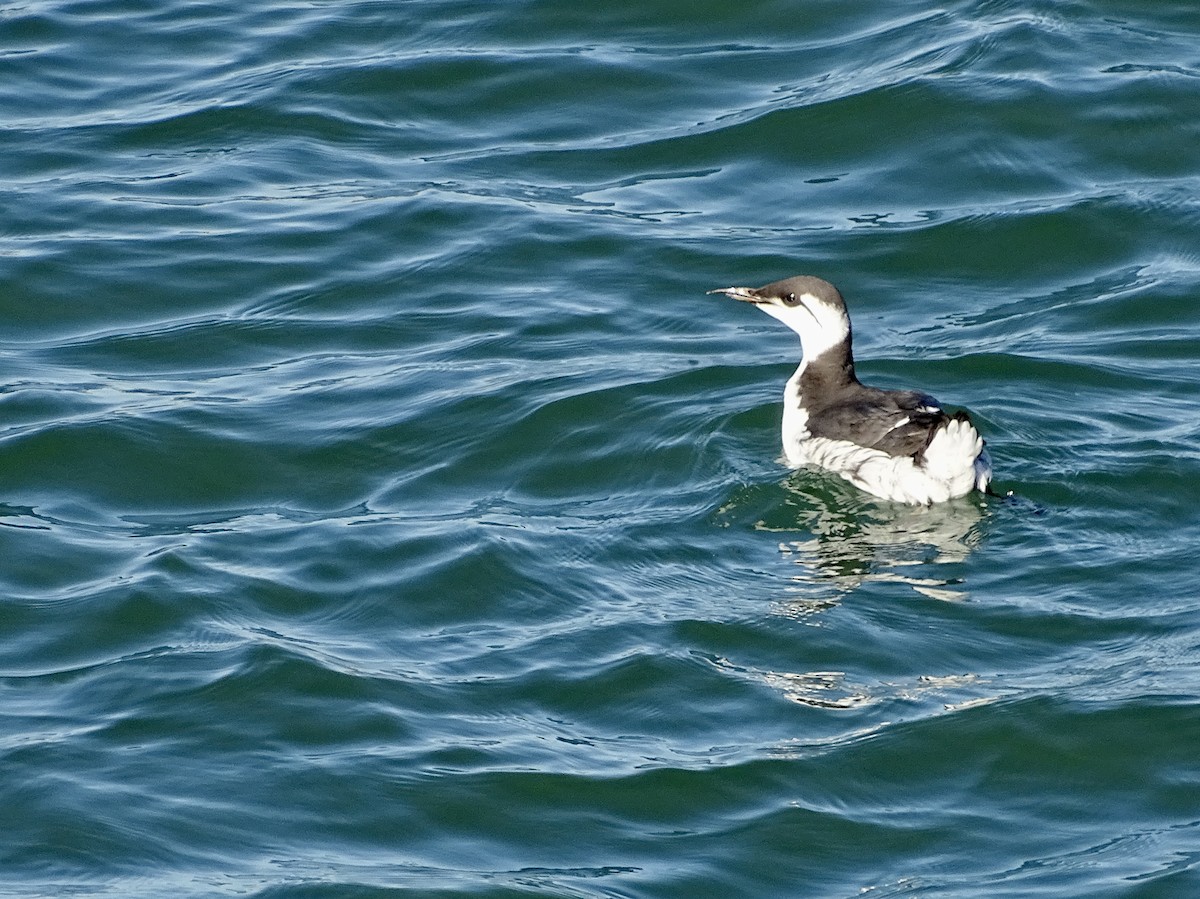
[(386, 511)]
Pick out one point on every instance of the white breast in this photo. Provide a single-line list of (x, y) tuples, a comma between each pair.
[(795, 420)]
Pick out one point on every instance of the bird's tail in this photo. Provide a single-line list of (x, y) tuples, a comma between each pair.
[(956, 454)]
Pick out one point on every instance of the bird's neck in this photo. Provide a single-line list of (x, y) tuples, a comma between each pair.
[(832, 367)]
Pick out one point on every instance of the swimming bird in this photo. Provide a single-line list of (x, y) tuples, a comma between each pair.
[(896, 444)]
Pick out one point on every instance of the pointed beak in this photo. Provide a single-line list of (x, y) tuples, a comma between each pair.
[(745, 294)]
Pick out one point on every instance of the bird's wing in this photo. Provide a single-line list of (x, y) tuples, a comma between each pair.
[(899, 423)]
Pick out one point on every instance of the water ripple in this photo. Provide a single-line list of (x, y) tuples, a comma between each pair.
[(387, 510)]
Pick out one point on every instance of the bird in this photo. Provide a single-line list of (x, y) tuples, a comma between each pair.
[(898, 445)]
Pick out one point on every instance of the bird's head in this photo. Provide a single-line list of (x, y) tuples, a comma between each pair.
[(809, 306)]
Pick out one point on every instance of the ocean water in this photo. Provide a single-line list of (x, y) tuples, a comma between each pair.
[(385, 509)]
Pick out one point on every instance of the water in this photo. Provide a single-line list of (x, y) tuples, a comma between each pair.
[(388, 512)]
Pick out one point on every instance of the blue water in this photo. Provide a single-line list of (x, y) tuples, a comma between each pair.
[(385, 509)]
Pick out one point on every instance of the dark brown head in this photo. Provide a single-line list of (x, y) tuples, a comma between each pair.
[(811, 307)]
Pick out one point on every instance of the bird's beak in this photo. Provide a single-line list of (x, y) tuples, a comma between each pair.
[(745, 294)]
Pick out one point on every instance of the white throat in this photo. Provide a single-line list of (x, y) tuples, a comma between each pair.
[(820, 326)]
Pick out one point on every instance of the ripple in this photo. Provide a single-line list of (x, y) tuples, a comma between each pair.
[(387, 510)]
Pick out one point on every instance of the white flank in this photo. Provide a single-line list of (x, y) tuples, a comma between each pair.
[(955, 464)]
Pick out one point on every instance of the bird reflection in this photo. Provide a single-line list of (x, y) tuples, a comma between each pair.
[(850, 543), (838, 537), (841, 540)]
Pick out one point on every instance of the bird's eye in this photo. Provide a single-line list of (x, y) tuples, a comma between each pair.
[(789, 299)]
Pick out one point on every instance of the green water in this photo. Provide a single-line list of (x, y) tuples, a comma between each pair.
[(385, 510)]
